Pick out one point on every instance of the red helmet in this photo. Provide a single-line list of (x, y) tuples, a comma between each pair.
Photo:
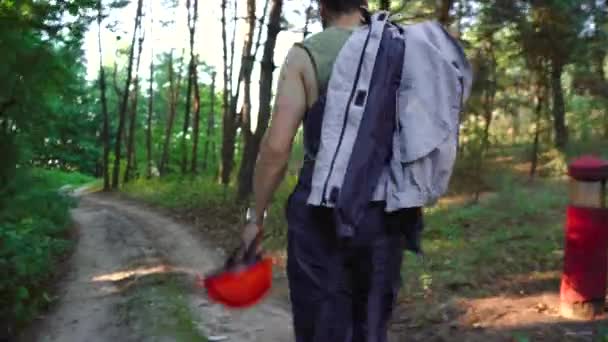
[(240, 284)]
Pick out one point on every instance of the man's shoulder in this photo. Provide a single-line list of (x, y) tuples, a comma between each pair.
[(327, 36)]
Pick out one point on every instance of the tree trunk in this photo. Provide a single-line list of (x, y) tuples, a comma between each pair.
[(443, 11), (150, 107), (174, 90), (488, 109), (131, 168), (196, 123), (210, 125), (149, 122), (192, 18), (118, 93), (247, 63), (485, 142), (228, 119), (540, 100), (266, 75), (186, 117), (308, 14), (131, 136), (559, 110), (105, 134), (125, 98), (169, 128), (385, 5)]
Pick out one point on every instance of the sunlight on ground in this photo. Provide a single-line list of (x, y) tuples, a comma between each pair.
[(507, 312), (138, 272)]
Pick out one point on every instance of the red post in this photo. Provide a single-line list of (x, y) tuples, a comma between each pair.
[(583, 287)]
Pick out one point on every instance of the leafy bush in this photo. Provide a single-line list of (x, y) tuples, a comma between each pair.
[(33, 222)]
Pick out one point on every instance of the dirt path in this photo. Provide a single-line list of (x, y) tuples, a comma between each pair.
[(131, 280)]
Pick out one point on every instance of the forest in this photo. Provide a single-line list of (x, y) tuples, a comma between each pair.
[(166, 102)]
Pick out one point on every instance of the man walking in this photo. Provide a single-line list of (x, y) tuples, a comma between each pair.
[(345, 247)]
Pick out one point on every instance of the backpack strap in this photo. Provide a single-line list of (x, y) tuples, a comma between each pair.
[(313, 62)]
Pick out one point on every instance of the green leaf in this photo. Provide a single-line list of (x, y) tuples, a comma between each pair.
[(23, 293)]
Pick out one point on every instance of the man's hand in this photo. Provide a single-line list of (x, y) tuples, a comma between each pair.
[(252, 234)]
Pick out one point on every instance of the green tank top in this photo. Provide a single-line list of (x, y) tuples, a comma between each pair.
[(323, 49)]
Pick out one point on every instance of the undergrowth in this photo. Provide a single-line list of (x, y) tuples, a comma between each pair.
[(507, 241), (34, 219)]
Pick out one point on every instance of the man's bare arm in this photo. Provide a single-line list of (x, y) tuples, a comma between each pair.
[(289, 109)]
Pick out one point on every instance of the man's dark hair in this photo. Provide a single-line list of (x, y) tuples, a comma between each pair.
[(343, 6)]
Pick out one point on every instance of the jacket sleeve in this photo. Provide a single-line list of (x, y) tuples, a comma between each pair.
[(436, 82)]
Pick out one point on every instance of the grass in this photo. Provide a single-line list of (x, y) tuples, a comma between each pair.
[(55, 179), (472, 250), (509, 241), (34, 222), (158, 308), (205, 202)]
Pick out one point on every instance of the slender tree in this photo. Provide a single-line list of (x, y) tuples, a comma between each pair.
[(196, 115), (266, 77), (308, 17), (105, 134), (131, 168), (443, 11), (192, 17), (150, 103), (174, 90), (247, 64), (209, 142), (228, 119), (540, 102), (124, 101)]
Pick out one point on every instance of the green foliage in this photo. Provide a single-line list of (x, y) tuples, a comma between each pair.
[(33, 222), (180, 192), (44, 114)]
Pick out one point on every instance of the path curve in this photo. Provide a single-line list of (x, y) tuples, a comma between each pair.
[(119, 242)]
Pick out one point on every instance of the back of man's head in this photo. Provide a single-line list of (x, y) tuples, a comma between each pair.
[(342, 6)]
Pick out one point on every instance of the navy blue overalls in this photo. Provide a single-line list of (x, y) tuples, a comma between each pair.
[(343, 288)]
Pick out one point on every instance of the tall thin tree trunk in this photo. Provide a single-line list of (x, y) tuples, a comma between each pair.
[(174, 91), (195, 123), (488, 106), (443, 11), (118, 93), (169, 128), (125, 99), (308, 14), (133, 124), (247, 63), (149, 123), (210, 125), (266, 75), (150, 105), (559, 109), (192, 18), (485, 142), (540, 101), (228, 119), (105, 134)]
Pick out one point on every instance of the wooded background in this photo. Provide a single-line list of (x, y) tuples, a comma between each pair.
[(539, 80)]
